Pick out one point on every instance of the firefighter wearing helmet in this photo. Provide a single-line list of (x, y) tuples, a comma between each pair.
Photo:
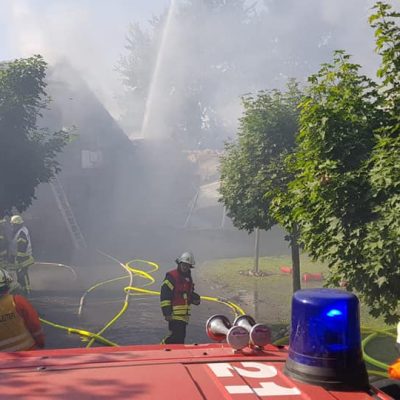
[(20, 327), (177, 294), (3, 244), (20, 252)]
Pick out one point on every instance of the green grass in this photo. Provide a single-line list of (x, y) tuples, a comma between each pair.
[(274, 290), (268, 298)]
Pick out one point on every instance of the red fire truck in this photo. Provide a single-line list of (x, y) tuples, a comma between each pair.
[(323, 361)]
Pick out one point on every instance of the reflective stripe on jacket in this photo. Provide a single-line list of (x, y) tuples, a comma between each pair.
[(175, 295), (14, 336), (21, 248), (3, 244)]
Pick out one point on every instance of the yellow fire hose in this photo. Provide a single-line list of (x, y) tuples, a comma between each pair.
[(68, 267), (80, 332), (131, 290), (236, 309), (369, 359), (128, 290), (70, 330), (126, 301)]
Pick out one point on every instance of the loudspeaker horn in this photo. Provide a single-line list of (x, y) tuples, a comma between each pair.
[(260, 334), (219, 328)]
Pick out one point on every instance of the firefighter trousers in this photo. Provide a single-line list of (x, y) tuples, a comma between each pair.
[(23, 279), (177, 332)]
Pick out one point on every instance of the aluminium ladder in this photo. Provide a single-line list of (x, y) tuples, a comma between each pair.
[(67, 213)]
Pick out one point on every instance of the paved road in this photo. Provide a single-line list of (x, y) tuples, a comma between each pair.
[(56, 296)]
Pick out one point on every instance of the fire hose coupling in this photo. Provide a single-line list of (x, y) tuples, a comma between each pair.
[(244, 332)]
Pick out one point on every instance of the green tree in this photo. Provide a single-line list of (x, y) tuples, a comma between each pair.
[(27, 153), (330, 195), (380, 278), (346, 191), (253, 168)]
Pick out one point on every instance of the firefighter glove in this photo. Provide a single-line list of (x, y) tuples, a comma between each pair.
[(195, 299)]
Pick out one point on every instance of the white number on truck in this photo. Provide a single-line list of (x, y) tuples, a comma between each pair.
[(252, 370)]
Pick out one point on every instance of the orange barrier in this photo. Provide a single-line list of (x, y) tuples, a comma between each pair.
[(307, 277), (286, 270)]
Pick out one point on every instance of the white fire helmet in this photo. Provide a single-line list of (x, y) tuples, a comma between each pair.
[(5, 278), (186, 257), (16, 219)]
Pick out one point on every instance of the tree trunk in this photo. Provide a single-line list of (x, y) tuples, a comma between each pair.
[(256, 250), (295, 260), (256, 300)]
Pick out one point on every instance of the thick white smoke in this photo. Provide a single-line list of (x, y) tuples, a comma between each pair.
[(292, 38), (90, 35)]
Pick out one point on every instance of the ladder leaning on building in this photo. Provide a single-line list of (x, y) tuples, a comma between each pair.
[(67, 214)]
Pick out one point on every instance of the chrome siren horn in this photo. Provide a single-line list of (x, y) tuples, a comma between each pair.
[(260, 334), (219, 328)]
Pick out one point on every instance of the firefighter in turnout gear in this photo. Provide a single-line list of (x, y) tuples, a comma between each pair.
[(20, 252), (20, 327), (177, 294), (3, 244)]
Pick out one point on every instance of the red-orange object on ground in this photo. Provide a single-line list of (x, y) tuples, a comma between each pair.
[(307, 277), (394, 370), (286, 270)]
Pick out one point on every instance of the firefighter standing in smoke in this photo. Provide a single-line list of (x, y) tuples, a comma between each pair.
[(177, 294), (20, 251), (20, 327), (3, 244)]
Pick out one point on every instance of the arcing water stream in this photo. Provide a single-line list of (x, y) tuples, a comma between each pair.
[(155, 80)]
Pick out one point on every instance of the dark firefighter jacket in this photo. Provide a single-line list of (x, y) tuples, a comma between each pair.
[(176, 295), (3, 245)]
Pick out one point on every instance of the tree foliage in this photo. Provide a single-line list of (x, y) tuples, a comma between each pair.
[(252, 165), (27, 153), (345, 195), (382, 276), (330, 195), (253, 168)]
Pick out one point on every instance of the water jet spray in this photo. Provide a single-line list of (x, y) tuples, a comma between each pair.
[(156, 72)]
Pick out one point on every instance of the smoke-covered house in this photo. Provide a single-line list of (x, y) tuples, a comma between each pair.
[(91, 164)]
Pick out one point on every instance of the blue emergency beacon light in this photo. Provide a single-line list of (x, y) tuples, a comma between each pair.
[(325, 340)]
